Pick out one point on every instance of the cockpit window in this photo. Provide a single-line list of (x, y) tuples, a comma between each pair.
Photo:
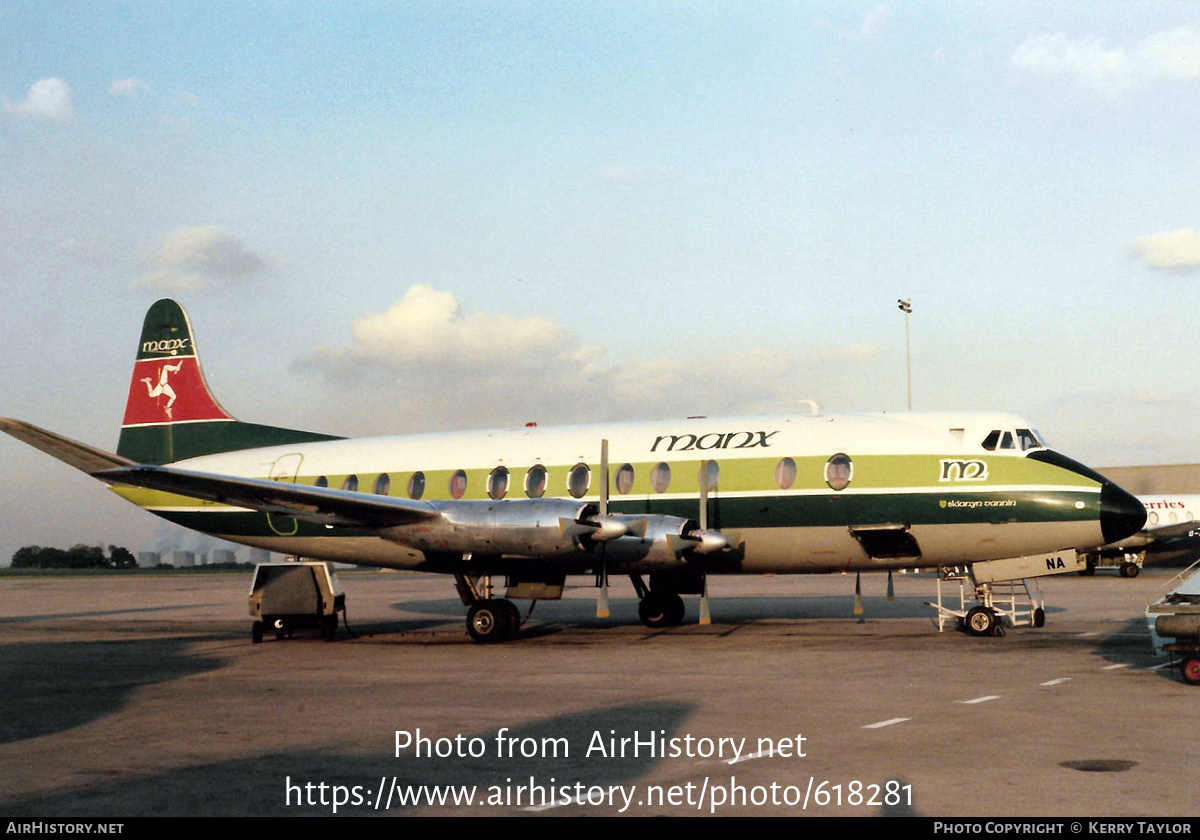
[(1028, 439), (989, 442), (1006, 442)]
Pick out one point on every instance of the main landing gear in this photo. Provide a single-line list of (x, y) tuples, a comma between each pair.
[(657, 607), (489, 619)]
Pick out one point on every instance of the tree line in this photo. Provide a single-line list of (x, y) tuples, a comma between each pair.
[(75, 557)]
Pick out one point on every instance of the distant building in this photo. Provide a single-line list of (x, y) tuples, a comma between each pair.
[(183, 559), (149, 559), (259, 555), (222, 556)]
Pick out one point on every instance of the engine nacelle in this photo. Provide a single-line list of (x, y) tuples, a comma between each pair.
[(517, 528), (651, 542)]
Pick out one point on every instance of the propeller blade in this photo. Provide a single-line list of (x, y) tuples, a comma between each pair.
[(705, 615), (607, 529), (858, 605), (891, 596)]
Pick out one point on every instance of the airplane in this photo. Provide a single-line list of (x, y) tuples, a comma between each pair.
[(1171, 533), (688, 498)]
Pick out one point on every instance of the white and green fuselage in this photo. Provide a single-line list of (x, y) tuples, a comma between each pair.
[(771, 480)]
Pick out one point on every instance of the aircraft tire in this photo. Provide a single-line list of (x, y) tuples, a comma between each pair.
[(487, 621), (661, 609), (1191, 670), (675, 610), (256, 632), (1129, 570), (980, 621), (1039, 617), (513, 617)]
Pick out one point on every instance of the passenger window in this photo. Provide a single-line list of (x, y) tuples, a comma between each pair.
[(416, 485), (535, 481), (578, 480), (660, 478), (497, 483), (458, 484), (785, 473), (321, 481), (350, 483), (625, 479), (838, 471), (383, 485), (989, 442)]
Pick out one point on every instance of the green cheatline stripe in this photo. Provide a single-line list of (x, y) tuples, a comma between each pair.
[(746, 512), (177, 441), (748, 475)]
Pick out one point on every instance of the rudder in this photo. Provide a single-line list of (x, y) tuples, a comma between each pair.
[(170, 413)]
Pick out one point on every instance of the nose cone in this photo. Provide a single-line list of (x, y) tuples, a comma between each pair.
[(1121, 514)]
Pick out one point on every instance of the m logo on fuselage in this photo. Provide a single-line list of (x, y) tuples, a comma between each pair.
[(958, 469)]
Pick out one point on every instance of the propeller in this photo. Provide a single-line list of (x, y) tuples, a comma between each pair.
[(705, 615), (604, 534), (858, 604)]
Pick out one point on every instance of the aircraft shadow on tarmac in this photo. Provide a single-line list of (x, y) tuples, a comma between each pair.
[(41, 680), (578, 612), (257, 786)]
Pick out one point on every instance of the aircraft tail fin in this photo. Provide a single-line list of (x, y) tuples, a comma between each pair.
[(171, 413)]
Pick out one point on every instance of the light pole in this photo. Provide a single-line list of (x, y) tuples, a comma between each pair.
[(906, 308)]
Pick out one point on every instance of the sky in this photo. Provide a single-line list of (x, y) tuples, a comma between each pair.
[(394, 217)]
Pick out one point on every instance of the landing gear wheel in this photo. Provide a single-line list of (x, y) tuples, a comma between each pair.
[(513, 617), (980, 621), (256, 632), (1129, 570), (1039, 617), (674, 610), (661, 609), (1191, 670), (488, 620)]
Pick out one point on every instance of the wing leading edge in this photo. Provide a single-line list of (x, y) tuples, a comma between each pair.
[(322, 505)]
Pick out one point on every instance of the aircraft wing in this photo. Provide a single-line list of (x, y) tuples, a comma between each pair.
[(322, 505), (1161, 533), (78, 455)]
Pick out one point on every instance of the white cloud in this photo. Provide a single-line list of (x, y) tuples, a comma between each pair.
[(1172, 249), (48, 99), (127, 87), (424, 364), (192, 258), (1092, 64)]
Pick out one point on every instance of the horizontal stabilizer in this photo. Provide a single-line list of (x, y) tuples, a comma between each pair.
[(78, 455), (322, 505)]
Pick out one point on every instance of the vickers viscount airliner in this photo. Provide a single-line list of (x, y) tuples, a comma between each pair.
[(675, 501)]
